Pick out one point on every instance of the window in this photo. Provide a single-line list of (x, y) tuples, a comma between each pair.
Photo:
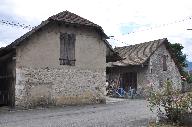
[(160, 83), (67, 49), (164, 63), (151, 70)]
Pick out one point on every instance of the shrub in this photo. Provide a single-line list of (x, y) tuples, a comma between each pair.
[(174, 104), (189, 79)]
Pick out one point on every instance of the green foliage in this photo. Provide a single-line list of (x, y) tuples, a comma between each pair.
[(189, 79), (171, 100), (181, 58)]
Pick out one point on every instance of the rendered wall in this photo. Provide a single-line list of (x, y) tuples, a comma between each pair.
[(41, 80)]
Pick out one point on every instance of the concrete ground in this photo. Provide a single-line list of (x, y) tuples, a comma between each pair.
[(116, 113)]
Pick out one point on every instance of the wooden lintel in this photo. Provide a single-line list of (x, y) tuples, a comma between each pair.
[(7, 56)]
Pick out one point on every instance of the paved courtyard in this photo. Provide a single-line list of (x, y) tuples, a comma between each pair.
[(116, 113)]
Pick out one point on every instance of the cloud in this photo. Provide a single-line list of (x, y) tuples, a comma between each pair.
[(9, 33), (176, 33)]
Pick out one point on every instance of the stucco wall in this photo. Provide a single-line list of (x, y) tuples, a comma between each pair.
[(43, 48), (41, 80)]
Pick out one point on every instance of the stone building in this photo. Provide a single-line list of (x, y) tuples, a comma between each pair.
[(61, 61), (145, 64)]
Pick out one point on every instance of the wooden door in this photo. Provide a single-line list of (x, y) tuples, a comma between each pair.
[(129, 80), (4, 94), (7, 82)]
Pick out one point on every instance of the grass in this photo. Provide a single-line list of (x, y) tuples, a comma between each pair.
[(154, 124), (163, 125)]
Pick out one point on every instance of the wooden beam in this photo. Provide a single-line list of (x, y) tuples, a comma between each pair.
[(7, 56)]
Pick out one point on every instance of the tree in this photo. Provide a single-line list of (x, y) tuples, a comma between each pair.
[(180, 57)]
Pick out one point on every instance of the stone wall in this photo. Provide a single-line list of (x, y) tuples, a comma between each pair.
[(41, 80), (155, 74), (58, 86), (151, 73)]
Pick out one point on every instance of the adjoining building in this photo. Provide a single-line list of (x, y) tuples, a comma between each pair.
[(145, 64)]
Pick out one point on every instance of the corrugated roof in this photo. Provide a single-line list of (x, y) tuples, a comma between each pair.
[(138, 54)]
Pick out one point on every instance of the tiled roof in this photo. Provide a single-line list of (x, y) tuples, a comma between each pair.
[(64, 17), (72, 18), (139, 53)]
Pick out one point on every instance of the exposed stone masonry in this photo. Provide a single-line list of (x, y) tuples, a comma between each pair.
[(155, 73), (151, 73), (58, 86)]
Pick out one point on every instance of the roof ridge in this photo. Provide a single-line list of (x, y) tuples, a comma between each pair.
[(139, 53), (59, 17), (70, 14), (143, 43)]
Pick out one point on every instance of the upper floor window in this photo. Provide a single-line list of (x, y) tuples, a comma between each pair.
[(67, 49), (164, 63)]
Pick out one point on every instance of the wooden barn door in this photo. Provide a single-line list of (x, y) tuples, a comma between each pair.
[(129, 80), (7, 82)]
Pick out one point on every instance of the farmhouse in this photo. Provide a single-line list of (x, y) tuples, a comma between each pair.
[(146, 64), (61, 61)]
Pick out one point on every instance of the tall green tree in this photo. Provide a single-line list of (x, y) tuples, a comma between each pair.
[(180, 57)]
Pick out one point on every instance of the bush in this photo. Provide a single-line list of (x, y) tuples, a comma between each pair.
[(189, 79), (174, 104)]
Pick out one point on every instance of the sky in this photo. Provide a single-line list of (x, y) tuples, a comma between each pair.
[(129, 21)]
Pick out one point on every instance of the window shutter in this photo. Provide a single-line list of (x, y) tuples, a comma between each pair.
[(63, 48), (72, 39), (67, 49), (62, 36), (164, 63)]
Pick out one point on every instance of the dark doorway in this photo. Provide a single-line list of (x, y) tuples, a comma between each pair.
[(129, 80), (7, 80)]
